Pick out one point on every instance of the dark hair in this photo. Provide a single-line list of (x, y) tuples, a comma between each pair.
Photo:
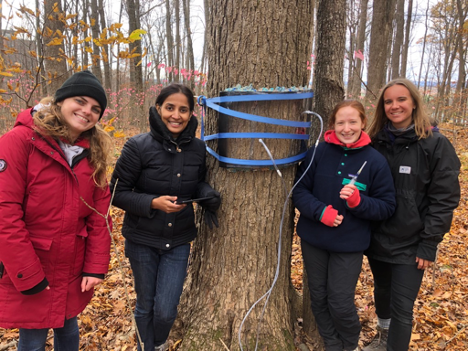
[(345, 103), (175, 88)]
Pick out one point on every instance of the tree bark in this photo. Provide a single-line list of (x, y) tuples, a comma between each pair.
[(331, 30), (361, 37), (96, 56), (178, 43), (404, 52), (170, 42), (398, 38), (264, 43), (105, 49), (378, 49), (54, 59), (190, 56)]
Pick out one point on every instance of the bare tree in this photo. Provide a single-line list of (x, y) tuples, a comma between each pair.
[(382, 18), (53, 49), (404, 52), (398, 38), (361, 37)]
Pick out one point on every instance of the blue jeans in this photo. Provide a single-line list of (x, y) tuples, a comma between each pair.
[(396, 287), (159, 278), (66, 338)]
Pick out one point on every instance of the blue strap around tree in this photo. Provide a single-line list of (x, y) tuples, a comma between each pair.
[(213, 104)]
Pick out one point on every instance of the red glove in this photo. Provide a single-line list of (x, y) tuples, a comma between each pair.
[(355, 199), (329, 216)]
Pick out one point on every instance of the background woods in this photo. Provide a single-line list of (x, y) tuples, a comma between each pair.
[(338, 48)]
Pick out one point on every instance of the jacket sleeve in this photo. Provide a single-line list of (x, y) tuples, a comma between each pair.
[(99, 235), (126, 173), (304, 200), (16, 249), (443, 194), (380, 203)]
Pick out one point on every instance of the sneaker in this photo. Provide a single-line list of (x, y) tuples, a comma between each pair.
[(163, 347), (380, 341)]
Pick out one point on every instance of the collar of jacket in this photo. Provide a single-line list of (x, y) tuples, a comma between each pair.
[(160, 132), (364, 139)]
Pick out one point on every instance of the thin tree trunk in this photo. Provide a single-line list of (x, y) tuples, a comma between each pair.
[(170, 41), (398, 38), (404, 52), (178, 43), (105, 50), (96, 56), (361, 37), (55, 62), (190, 56), (380, 31), (424, 45)]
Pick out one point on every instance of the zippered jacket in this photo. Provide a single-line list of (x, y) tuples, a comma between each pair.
[(333, 165), (425, 173), (154, 164), (47, 233)]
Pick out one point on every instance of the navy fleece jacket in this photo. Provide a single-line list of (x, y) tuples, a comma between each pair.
[(331, 168)]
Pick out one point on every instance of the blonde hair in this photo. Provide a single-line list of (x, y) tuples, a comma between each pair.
[(49, 121), (421, 120)]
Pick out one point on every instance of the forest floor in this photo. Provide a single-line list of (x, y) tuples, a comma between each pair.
[(441, 311)]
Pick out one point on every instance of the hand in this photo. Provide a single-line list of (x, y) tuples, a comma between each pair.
[(166, 204), (351, 194), (213, 203), (87, 283), (422, 263), (210, 218), (331, 217), (347, 191), (338, 220)]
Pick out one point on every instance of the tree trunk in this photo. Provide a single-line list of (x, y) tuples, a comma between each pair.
[(55, 61), (424, 46), (170, 42), (398, 39), (328, 76), (96, 56), (404, 52), (178, 43), (190, 57), (264, 43), (361, 37), (380, 31), (105, 50)]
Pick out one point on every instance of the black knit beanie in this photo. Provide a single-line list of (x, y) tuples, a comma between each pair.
[(83, 83)]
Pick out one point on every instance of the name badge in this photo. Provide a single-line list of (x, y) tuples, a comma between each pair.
[(405, 169)]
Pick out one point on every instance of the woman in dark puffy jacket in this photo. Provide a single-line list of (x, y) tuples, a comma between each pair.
[(154, 174), (425, 172)]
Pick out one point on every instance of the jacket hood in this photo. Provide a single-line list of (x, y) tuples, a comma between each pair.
[(364, 139), (160, 132), (24, 118)]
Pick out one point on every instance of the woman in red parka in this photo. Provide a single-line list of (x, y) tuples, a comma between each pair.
[(54, 240)]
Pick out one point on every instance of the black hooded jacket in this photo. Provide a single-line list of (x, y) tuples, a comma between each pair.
[(425, 174), (154, 164)]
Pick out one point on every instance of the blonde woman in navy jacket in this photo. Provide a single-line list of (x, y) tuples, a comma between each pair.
[(335, 220)]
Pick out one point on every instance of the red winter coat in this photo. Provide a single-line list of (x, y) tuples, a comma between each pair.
[(46, 231)]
